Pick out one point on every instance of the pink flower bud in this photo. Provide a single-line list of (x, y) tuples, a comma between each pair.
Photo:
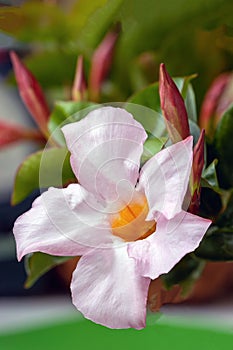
[(10, 133), (31, 93), (101, 63), (198, 164), (217, 99), (79, 87), (173, 107)]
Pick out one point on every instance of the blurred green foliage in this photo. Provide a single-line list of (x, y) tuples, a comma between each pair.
[(38, 264), (190, 37), (42, 169)]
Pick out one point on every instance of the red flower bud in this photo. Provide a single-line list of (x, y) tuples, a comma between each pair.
[(31, 93), (101, 63), (79, 87), (198, 164), (217, 99), (10, 133), (173, 107)]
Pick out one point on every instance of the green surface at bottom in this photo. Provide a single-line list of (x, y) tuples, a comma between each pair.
[(87, 335)]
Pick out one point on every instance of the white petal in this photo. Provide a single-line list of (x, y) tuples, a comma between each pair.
[(172, 240), (105, 147), (107, 289), (164, 178), (62, 222)]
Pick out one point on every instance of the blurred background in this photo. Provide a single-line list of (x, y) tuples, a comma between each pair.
[(190, 37)]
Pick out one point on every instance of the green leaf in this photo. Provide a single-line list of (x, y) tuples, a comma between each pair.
[(224, 147), (188, 95), (152, 146), (185, 273), (217, 245), (149, 96), (149, 25), (51, 69), (152, 121), (194, 131), (88, 13), (210, 175), (211, 201), (45, 22), (209, 183), (42, 169), (67, 112), (37, 264), (226, 218), (145, 107), (209, 178), (35, 21)]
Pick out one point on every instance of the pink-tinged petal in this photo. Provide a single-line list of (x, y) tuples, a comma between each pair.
[(172, 240), (10, 133), (164, 179), (105, 147), (31, 93), (173, 107), (62, 222), (79, 86), (107, 289)]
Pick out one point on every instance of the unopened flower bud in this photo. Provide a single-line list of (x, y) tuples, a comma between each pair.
[(31, 93), (11, 133), (195, 180), (79, 87), (101, 63), (173, 107), (217, 100)]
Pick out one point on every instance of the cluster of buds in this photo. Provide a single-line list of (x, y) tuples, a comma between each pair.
[(100, 66), (176, 118), (34, 99)]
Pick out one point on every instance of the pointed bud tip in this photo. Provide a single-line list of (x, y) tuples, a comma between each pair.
[(12, 55), (200, 142), (173, 107), (31, 93), (79, 85), (101, 63), (15, 60), (164, 73)]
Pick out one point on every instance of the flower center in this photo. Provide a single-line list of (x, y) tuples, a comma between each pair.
[(130, 222)]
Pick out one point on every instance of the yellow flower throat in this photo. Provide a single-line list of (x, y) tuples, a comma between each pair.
[(129, 223)]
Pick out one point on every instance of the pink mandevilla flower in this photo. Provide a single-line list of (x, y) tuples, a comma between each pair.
[(127, 224)]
